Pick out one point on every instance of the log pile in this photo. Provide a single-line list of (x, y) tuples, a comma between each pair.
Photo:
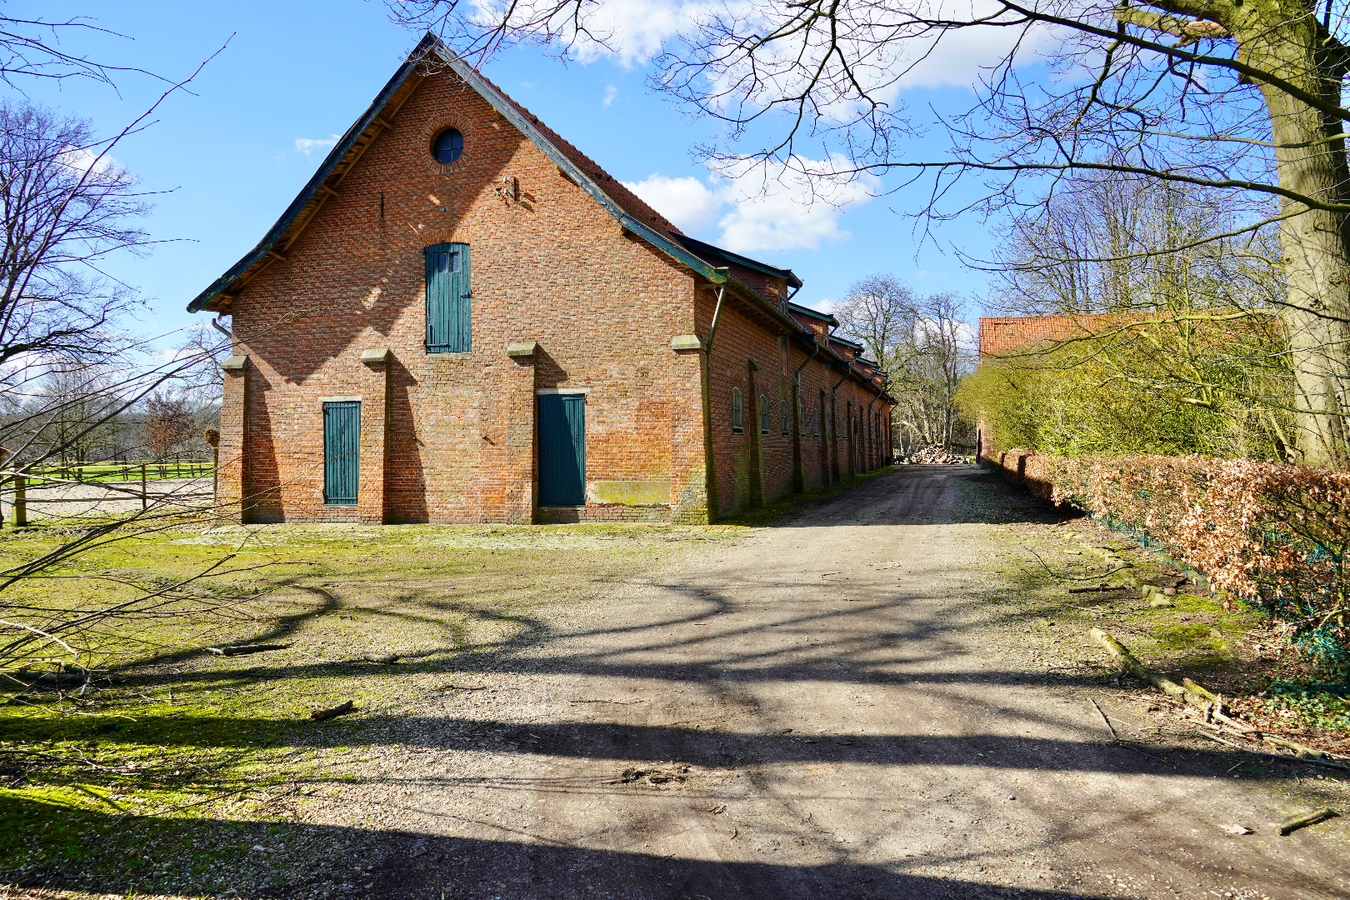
[(934, 456)]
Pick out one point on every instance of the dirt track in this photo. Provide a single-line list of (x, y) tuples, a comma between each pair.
[(826, 710)]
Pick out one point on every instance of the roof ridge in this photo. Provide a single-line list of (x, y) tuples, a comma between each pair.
[(618, 191)]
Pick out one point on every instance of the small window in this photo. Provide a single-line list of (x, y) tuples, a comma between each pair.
[(815, 423), (737, 414), (801, 418), (763, 414), (787, 420), (447, 146)]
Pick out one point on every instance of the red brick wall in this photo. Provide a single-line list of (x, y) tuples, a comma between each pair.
[(552, 267), (751, 467)]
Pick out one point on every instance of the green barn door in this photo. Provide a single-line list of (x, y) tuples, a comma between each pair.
[(562, 450), (341, 452)]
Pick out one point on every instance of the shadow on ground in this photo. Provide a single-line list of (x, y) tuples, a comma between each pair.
[(407, 866)]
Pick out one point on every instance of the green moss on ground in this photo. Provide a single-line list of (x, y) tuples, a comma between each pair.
[(178, 760)]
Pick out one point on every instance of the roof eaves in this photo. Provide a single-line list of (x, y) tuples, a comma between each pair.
[(808, 311), (756, 299), (698, 246), (330, 162), (509, 112)]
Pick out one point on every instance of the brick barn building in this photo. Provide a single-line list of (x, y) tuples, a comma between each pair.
[(462, 318)]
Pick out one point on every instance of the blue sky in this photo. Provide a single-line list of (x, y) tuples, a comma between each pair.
[(232, 154)]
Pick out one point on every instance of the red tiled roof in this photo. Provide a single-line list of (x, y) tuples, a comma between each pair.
[(1006, 334), (631, 203)]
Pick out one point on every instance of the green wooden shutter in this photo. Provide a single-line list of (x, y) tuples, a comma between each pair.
[(449, 295), (341, 452), (562, 450)]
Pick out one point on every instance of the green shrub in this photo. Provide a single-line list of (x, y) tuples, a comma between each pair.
[(1275, 536)]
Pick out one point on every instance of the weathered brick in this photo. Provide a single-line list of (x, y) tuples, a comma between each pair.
[(451, 437)]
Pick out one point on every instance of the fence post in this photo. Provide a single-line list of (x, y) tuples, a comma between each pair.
[(20, 501), (144, 501)]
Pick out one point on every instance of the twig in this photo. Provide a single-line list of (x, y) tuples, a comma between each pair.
[(1067, 577), (1124, 746), (1105, 720)]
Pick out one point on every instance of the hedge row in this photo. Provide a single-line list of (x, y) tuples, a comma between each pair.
[(1275, 536)]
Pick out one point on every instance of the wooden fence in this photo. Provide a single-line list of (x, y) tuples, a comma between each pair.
[(97, 472), (14, 486)]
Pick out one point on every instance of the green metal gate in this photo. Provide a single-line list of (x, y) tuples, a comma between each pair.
[(562, 450), (341, 452)]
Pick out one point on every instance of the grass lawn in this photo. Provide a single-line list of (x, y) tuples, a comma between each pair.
[(179, 742)]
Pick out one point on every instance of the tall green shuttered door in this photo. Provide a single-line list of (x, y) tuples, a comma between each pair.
[(449, 295), (341, 452), (562, 450)]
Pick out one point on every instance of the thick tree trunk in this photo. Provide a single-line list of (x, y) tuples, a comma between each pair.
[(1310, 159)]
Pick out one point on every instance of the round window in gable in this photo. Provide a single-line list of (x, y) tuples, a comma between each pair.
[(447, 146)]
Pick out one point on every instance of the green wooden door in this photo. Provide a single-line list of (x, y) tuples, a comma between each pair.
[(341, 452), (449, 325), (562, 450)]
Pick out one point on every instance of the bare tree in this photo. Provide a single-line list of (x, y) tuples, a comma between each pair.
[(920, 343), (67, 208), (1237, 96), (879, 312), (1195, 328)]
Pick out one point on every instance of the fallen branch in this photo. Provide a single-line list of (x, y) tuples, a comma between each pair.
[(386, 659), (1191, 692), (49, 679), (1312, 818), (1300, 749), (332, 712), (245, 649), (1284, 756)]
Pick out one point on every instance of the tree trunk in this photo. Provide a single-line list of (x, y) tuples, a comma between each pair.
[(1310, 159)]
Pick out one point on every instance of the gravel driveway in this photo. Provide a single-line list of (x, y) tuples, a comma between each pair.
[(828, 709)]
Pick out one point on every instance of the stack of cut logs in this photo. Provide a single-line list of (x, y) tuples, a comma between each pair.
[(934, 456)]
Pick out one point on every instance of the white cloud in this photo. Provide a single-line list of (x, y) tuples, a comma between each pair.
[(309, 145), (687, 202), (82, 160), (761, 207), (894, 43), (610, 93), (967, 336), (780, 208)]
